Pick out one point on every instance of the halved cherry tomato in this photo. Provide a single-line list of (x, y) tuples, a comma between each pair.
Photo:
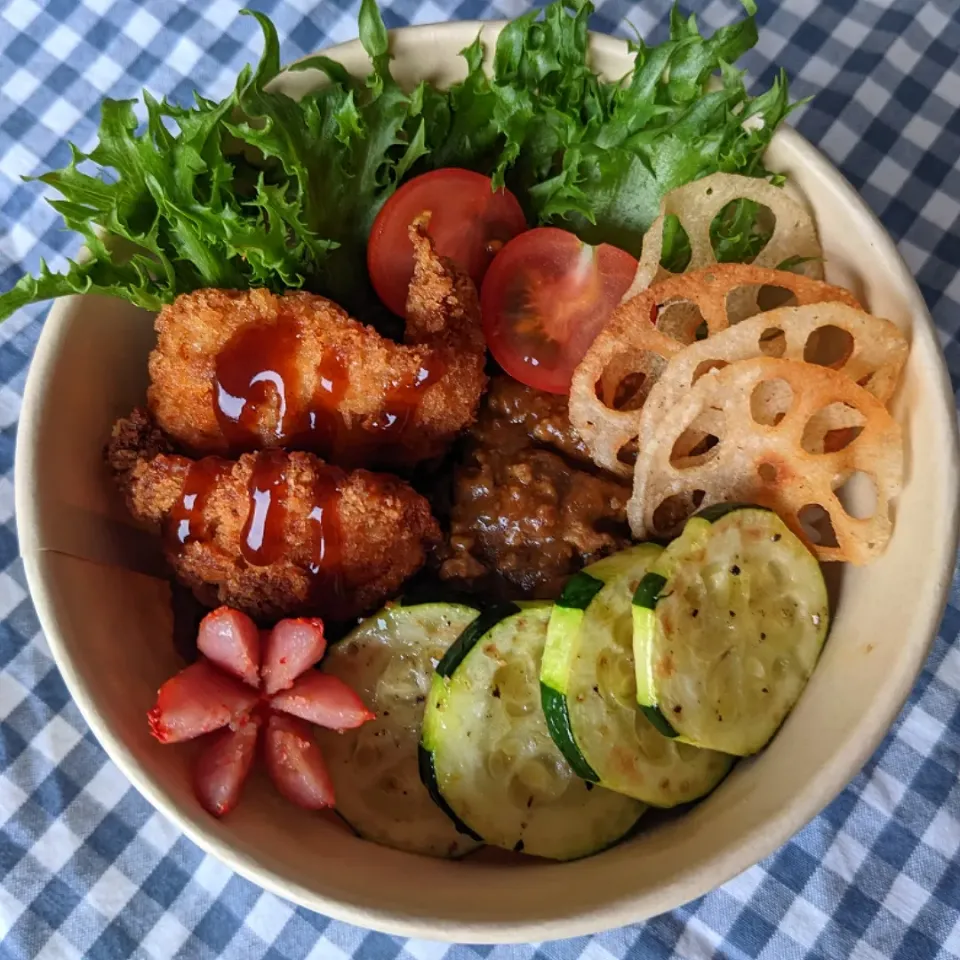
[(545, 298), (469, 223)]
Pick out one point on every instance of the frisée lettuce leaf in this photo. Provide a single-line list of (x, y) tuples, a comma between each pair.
[(260, 189)]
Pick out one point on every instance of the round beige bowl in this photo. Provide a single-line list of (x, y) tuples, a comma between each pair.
[(106, 616)]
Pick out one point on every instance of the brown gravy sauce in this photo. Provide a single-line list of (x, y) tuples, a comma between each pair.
[(528, 508)]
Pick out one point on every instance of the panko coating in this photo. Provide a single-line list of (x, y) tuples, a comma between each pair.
[(235, 371), (274, 533)]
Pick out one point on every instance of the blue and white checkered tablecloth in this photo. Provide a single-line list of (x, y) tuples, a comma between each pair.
[(88, 869)]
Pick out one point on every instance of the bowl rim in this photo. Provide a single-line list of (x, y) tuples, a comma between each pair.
[(820, 791)]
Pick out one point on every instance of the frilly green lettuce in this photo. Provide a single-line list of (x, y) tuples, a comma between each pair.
[(264, 190)]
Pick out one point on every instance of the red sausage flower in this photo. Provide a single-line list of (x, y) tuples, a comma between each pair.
[(247, 679)]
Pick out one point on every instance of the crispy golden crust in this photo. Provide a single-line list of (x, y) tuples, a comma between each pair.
[(443, 332), (386, 531), (134, 439)]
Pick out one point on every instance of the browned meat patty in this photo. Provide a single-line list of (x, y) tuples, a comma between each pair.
[(529, 509)]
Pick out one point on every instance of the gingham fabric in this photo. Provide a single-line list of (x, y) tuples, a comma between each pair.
[(88, 869)]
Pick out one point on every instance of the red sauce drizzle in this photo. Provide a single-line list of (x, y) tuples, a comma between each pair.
[(258, 364), (257, 371), (326, 540), (257, 381), (322, 426), (186, 522), (403, 399), (262, 538)]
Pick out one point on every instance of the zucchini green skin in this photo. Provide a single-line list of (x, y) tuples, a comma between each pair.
[(581, 588), (564, 623), (588, 698), (468, 639), (648, 591), (645, 599), (428, 774), (655, 716), (777, 587), (718, 511), (557, 716)]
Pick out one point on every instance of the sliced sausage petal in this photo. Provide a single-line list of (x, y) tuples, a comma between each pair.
[(292, 647), (295, 763), (324, 700), (231, 640), (222, 767), (198, 700)]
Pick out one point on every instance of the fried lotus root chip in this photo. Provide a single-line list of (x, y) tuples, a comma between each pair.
[(780, 462), (611, 383), (696, 205), (869, 350), (617, 373)]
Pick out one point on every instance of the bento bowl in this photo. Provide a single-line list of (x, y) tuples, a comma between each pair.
[(104, 606)]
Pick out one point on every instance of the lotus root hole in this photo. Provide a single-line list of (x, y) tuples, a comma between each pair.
[(674, 510), (858, 495), (627, 454), (692, 448), (832, 429), (770, 297), (681, 320), (772, 342), (829, 346), (705, 366), (817, 526), (739, 217), (771, 401), (747, 300), (627, 378), (676, 251), (627, 394), (767, 472)]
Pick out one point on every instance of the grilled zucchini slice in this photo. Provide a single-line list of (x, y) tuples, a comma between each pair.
[(389, 660), (488, 758), (728, 626), (589, 694)]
